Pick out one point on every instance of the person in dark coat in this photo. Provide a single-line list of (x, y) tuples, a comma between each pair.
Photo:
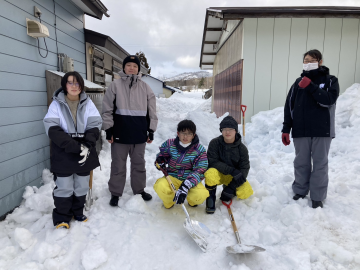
[(73, 124), (228, 165), (309, 114)]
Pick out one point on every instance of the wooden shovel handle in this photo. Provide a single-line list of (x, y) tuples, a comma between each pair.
[(171, 184), (232, 221), (91, 179)]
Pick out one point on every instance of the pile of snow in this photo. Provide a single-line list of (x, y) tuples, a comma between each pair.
[(145, 235)]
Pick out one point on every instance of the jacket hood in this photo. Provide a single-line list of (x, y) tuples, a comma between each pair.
[(59, 95), (195, 141), (125, 76), (236, 143)]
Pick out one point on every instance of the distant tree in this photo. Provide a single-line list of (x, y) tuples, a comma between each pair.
[(201, 83), (143, 60)]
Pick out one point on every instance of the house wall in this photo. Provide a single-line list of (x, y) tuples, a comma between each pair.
[(24, 146), (167, 92), (155, 85), (273, 49)]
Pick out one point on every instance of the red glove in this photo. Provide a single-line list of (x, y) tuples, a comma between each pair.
[(285, 137), (304, 82)]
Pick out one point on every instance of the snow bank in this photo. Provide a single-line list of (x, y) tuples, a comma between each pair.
[(145, 235)]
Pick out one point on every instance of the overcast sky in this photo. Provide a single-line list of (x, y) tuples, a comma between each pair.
[(170, 32)]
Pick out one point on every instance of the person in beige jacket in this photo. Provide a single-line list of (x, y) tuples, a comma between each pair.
[(129, 120)]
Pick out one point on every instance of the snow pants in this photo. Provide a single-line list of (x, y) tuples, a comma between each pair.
[(69, 195), (196, 195), (119, 154), (314, 179), (213, 178)]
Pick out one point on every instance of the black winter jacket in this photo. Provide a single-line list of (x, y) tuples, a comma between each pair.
[(227, 157), (310, 112), (66, 137)]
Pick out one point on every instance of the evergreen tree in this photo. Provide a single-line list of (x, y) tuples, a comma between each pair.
[(143, 60), (201, 83)]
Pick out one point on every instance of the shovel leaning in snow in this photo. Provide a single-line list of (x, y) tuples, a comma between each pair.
[(239, 248), (243, 110), (89, 198), (197, 230)]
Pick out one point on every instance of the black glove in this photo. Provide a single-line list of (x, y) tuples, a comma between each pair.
[(229, 191), (151, 136), (182, 192), (161, 162), (109, 133), (238, 178)]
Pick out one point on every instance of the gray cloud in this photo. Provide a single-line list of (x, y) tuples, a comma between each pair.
[(170, 32)]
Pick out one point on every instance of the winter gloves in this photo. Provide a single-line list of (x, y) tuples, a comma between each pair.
[(285, 137), (151, 136), (304, 82), (109, 133), (85, 152), (182, 192), (229, 191), (161, 162)]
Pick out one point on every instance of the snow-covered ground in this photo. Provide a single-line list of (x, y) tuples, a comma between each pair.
[(145, 235)]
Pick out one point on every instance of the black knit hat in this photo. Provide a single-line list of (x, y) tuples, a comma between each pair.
[(229, 122), (133, 59)]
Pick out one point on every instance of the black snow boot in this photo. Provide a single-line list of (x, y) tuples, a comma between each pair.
[(316, 204), (210, 201), (114, 200), (81, 218), (298, 196), (146, 196)]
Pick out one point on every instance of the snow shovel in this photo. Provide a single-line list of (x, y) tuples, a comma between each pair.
[(197, 230), (239, 248), (89, 198), (243, 110)]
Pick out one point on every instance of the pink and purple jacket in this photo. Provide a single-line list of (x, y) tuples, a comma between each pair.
[(185, 163)]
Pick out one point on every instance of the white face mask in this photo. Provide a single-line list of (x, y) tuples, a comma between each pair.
[(310, 66), (184, 145)]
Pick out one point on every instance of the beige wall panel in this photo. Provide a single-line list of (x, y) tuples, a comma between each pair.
[(298, 38), (316, 31), (332, 44), (249, 51), (280, 63), (348, 53), (264, 44), (357, 70)]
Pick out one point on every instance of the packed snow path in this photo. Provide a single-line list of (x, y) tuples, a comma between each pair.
[(145, 235)]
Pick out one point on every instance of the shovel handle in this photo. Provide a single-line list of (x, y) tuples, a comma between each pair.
[(166, 176), (232, 220), (243, 109), (91, 179)]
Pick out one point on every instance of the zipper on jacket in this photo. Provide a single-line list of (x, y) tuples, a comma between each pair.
[(67, 106)]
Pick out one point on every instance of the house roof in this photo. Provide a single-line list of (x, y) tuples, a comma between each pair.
[(147, 75), (93, 8), (216, 18), (172, 89), (107, 43)]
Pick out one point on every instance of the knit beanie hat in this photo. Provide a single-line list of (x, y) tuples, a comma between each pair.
[(133, 59), (229, 122)]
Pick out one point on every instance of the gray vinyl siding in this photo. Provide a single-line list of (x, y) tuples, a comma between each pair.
[(24, 146)]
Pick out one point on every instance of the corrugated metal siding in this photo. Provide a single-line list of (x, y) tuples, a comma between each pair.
[(24, 146), (282, 43)]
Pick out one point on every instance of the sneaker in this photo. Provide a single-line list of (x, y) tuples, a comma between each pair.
[(62, 225), (210, 201), (316, 204), (81, 218), (298, 196), (146, 196), (114, 200)]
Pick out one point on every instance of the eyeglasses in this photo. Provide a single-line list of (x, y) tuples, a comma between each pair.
[(73, 84), (310, 61), (184, 134), (227, 130)]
